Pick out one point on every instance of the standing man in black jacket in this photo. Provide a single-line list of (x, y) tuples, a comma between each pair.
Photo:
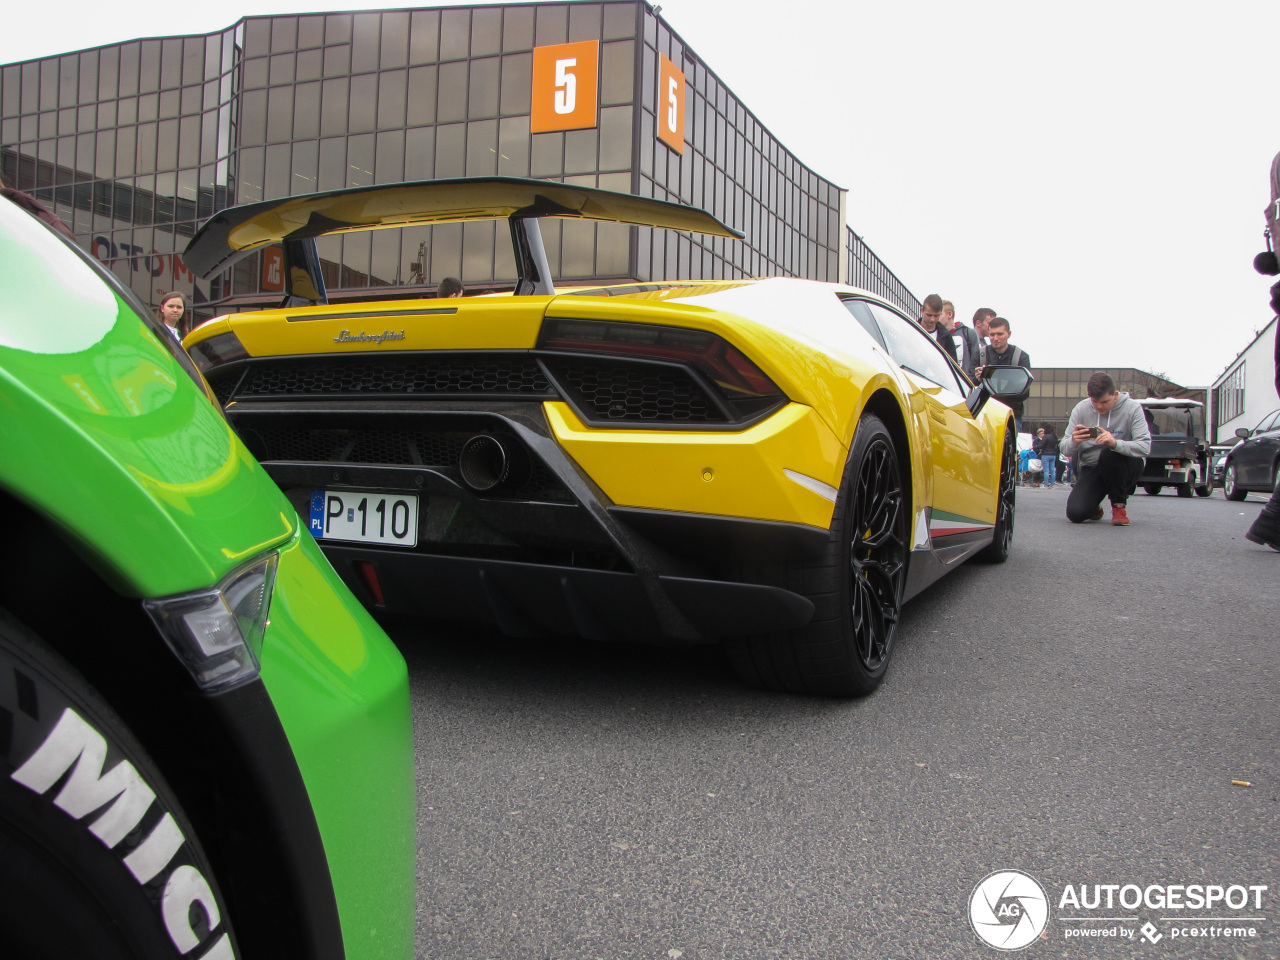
[(1001, 353)]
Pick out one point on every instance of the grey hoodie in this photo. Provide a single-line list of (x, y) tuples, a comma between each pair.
[(1124, 421)]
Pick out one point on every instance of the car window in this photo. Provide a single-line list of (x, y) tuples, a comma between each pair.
[(863, 315), (1268, 422), (914, 349)]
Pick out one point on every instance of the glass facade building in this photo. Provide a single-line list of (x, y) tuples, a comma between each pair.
[(135, 144)]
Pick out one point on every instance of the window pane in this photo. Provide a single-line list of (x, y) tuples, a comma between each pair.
[(310, 32), (390, 157), (305, 157), (279, 171), (249, 188), (486, 31), (333, 110), (482, 152), (391, 99), (337, 61), (547, 159), (360, 160), (517, 80), (617, 72), (513, 147), (584, 21), (333, 164), (306, 111), (171, 64), (455, 34), (420, 154), (517, 28), (451, 150), (422, 96), (253, 117), (477, 252), (365, 42), (385, 256), (281, 69), (280, 114), (580, 151), (619, 21), (577, 250), (364, 92), (309, 66), (482, 100), (284, 34), (424, 36), (452, 102), (112, 65), (615, 138), (446, 251), (189, 142), (552, 26)]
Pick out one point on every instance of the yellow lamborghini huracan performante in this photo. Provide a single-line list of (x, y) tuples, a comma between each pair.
[(777, 464)]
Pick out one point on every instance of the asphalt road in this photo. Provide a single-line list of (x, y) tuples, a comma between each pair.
[(1078, 713)]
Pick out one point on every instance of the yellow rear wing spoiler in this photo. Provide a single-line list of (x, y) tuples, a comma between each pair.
[(295, 222)]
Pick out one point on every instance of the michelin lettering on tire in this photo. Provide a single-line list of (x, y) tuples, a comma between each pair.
[(66, 765), (1008, 910)]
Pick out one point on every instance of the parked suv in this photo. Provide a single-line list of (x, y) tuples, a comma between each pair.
[(1253, 463)]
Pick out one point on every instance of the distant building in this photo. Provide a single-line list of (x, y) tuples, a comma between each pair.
[(1246, 391), (1057, 390), (135, 144)]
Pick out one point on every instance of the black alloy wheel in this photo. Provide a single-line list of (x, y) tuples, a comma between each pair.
[(1002, 536), (877, 554)]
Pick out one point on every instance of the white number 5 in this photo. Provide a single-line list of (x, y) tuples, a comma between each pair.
[(673, 109), (566, 85)]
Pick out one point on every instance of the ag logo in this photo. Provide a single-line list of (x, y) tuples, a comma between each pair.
[(1008, 910)]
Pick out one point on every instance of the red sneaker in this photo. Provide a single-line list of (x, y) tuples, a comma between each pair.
[(1097, 514), (1119, 515)]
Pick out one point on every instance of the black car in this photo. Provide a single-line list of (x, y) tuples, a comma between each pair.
[(1252, 464)]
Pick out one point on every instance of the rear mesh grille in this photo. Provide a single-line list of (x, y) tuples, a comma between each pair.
[(388, 377), (439, 450), (388, 447), (628, 392)]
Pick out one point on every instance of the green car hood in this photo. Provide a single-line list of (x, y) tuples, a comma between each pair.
[(160, 485)]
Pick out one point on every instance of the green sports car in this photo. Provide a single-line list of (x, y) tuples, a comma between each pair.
[(205, 742)]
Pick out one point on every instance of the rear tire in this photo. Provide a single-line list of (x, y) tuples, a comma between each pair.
[(856, 586), (1184, 490), (131, 888), (1152, 489), (1006, 506)]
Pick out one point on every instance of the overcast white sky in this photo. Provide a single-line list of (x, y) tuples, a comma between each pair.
[(1094, 171)]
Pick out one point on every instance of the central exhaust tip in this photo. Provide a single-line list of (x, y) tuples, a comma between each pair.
[(484, 464)]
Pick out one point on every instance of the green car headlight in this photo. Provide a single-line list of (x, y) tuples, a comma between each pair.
[(217, 632)]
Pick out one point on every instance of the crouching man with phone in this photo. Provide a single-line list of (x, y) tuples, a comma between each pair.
[(1109, 434)]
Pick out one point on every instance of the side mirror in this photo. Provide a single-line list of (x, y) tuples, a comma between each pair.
[(1242, 433), (1006, 384)]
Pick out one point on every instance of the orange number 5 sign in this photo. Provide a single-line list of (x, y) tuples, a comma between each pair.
[(564, 86), (670, 104)]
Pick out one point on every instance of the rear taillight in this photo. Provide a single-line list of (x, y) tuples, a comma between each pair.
[(740, 383), (217, 350)]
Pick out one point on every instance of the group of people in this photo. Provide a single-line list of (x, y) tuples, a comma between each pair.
[(985, 343), (1106, 439)]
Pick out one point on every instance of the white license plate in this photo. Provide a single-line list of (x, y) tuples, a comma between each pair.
[(363, 516)]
